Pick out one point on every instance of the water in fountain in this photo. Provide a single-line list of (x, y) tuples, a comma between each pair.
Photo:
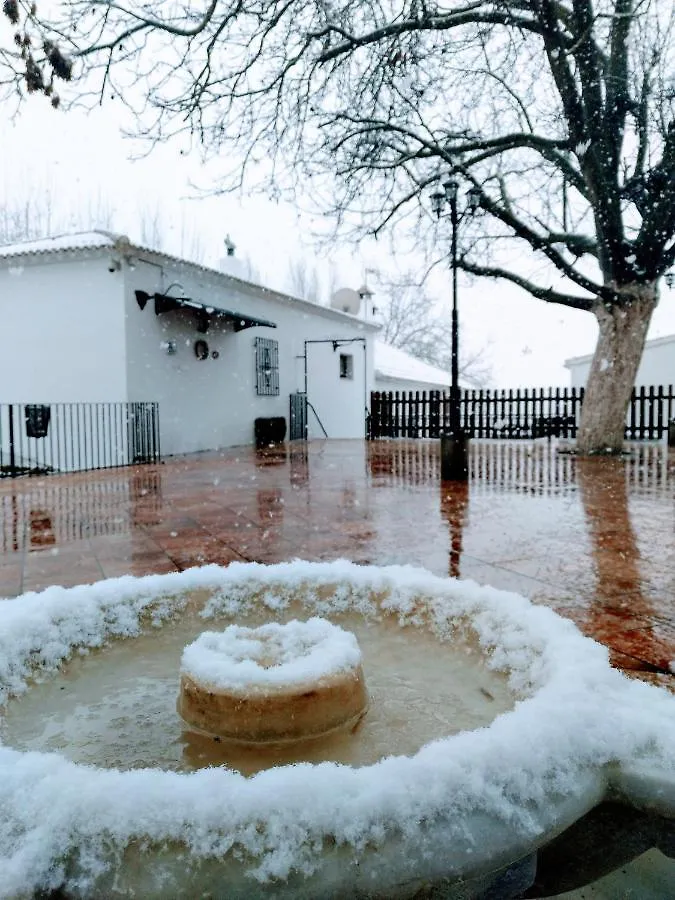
[(116, 707)]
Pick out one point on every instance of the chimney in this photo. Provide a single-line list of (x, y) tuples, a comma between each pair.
[(230, 264), (368, 310)]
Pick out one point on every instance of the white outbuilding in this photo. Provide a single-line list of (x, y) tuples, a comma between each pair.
[(93, 318), (396, 370), (657, 366)]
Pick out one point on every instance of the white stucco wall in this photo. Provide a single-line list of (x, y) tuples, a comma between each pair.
[(578, 372), (61, 331), (340, 403), (656, 368), (213, 403), (62, 344)]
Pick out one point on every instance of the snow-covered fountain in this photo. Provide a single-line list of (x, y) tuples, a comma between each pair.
[(306, 730)]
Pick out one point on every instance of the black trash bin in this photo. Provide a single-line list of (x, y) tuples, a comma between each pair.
[(269, 431)]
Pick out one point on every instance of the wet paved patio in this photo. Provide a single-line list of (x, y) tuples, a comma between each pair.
[(594, 538)]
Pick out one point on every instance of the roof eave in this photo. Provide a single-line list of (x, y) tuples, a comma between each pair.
[(124, 247)]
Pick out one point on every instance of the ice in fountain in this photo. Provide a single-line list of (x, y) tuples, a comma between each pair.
[(276, 682)]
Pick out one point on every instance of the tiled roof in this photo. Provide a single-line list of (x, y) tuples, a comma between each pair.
[(85, 240), (100, 240)]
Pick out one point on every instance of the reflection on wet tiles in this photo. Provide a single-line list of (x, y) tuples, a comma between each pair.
[(299, 464), (648, 644), (74, 507), (41, 528), (454, 508), (592, 538)]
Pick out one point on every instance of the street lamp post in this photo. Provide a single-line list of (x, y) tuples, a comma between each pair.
[(454, 445)]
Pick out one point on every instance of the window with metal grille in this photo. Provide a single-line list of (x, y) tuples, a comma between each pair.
[(267, 367)]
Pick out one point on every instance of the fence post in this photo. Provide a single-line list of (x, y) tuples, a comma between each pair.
[(434, 413), (660, 396), (641, 407), (12, 452), (651, 423), (376, 414)]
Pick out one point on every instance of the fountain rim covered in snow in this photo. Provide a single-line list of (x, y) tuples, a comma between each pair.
[(577, 725)]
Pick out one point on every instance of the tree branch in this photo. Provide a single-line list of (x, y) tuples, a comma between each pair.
[(544, 245), (546, 294), (470, 15)]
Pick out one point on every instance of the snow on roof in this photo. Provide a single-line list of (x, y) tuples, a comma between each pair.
[(81, 242), (394, 363), (61, 243)]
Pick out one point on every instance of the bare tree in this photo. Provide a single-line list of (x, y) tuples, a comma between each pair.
[(151, 230), (39, 213), (250, 271), (560, 113), (25, 220), (304, 280), (410, 320)]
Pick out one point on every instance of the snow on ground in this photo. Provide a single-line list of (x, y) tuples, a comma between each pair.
[(576, 723)]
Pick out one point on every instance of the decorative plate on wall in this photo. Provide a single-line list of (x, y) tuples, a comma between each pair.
[(201, 350)]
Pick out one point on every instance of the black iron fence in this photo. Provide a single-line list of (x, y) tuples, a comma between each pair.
[(526, 413), (298, 417), (44, 438)]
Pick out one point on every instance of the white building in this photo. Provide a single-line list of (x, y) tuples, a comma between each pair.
[(91, 318), (657, 366)]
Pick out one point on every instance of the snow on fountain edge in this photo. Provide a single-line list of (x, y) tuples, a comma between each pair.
[(574, 714)]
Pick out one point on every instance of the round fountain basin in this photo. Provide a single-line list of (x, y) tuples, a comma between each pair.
[(493, 725), (277, 682), (115, 706)]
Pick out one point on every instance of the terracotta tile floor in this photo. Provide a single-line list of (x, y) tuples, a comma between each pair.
[(594, 539)]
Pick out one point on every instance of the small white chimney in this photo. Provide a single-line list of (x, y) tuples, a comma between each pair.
[(230, 263), (368, 310)]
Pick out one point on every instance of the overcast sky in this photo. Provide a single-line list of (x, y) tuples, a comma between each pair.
[(85, 163)]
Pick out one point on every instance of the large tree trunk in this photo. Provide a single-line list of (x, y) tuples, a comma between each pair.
[(623, 331)]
